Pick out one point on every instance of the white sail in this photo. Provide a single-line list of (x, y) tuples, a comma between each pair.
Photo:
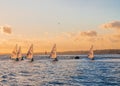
[(30, 52), (14, 52), (91, 53), (19, 54), (53, 52)]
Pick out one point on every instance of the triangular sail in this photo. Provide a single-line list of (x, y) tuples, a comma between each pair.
[(91, 53), (30, 52), (14, 52), (53, 52), (19, 53)]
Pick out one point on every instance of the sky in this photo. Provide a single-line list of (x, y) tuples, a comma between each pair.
[(71, 24)]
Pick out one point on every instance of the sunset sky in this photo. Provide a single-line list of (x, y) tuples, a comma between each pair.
[(71, 24)]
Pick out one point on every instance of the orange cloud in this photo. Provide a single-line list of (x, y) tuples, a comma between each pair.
[(88, 33), (114, 38), (111, 25), (83, 35), (6, 29)]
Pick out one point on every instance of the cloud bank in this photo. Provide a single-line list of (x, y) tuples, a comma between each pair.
[(82, 35), (88, 33), (111, 25)]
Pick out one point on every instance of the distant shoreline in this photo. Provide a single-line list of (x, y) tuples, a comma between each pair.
[(105, 51)]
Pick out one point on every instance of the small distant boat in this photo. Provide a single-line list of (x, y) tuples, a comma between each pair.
[(91, 53), (77, 57), (53, 54), (15, 53), (30, 53)]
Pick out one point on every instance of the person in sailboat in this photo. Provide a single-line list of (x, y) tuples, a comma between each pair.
[(22, 58), (17, 59), (53, 54)]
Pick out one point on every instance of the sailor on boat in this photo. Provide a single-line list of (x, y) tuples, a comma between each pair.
[(22, 58), (53, 54)]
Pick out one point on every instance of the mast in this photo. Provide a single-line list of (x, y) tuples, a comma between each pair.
[(19, 54), (14, 52)]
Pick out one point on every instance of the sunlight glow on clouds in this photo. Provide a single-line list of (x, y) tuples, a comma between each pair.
[(78, 40), (111, 25), (5, 29), (89, 33), (114, 36), (71, 24), (82, 35)]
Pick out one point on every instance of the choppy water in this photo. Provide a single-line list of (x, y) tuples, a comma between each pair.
[(103, 71)]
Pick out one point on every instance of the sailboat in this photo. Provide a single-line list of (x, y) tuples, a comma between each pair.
[(30, 53), (19, 53), (53, 54), (14, 53), (91, 53)]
